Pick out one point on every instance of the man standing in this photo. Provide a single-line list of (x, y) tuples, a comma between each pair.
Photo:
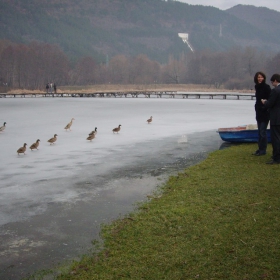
[(273, 103)]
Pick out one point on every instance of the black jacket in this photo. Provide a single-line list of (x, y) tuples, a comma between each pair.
[(262, 92), (273, 103)]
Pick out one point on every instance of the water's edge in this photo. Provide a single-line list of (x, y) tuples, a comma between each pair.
[(65, 230)]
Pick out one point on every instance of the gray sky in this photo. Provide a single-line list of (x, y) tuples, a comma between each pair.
[(226, 4)]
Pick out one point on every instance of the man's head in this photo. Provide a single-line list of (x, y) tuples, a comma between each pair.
[(275, 79)]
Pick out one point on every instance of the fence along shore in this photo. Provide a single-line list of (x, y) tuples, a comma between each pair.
[(136, 94)]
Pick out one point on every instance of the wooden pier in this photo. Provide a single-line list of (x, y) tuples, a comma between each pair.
[(136, 94)]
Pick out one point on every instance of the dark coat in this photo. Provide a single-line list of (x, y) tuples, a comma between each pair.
[(262, 92), (273, 103)]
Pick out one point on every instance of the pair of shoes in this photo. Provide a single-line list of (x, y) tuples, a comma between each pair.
[(258, 153), (273, 162)]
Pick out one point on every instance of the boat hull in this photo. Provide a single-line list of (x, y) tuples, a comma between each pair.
[(241, 135)]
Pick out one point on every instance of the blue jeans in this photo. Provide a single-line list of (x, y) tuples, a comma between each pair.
[(262, 142)]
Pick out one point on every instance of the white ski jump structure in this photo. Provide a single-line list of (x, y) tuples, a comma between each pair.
[(185, 38)]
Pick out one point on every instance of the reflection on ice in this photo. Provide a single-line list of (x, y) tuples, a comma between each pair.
[(183, 139)]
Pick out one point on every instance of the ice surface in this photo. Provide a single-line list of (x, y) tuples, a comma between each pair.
[(28, 183), (53, 200)]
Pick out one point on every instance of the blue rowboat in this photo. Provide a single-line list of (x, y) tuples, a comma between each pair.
[(241, 134)]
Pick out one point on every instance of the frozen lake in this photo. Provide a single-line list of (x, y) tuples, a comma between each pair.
[(53, 200)]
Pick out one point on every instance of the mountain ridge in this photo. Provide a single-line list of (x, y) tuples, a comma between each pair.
[(107, 28)]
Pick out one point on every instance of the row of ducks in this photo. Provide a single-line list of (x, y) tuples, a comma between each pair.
[(68, 126), (117, 129), (35, 145), (52, 140)]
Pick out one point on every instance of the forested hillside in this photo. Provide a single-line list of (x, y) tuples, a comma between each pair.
[(134, 42), (264, 19), (104, 28)]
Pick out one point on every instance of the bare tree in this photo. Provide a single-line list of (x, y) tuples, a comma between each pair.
[(273, 65), (85, 72), (143, 71), (118, 69), (174, 70)]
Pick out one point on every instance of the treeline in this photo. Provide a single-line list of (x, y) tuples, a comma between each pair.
[(32, 66)]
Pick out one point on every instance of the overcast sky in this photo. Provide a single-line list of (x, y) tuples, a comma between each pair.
[(226, 4)]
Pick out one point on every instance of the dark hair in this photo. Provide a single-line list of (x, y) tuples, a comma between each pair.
[(256, 77), (275, 77)]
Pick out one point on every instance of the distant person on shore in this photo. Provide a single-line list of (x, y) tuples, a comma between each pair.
[(47, 87), (51, 87), (54, 88), (273, 104), (262, 115)]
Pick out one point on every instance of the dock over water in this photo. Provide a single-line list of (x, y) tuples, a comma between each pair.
[(136, 94)]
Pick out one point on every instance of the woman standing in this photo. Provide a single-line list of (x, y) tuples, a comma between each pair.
[(262, 115)]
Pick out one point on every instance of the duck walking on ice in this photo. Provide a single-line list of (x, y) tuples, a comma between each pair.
[(117, 129), (35, 145), (53, 139), (2, 128), (93, 132), (22, 150), (68, 126), (150, 120)]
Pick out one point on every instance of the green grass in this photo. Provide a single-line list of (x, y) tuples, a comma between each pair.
[(217, 220)]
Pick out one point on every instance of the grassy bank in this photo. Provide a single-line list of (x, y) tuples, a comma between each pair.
[(216, 220)]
